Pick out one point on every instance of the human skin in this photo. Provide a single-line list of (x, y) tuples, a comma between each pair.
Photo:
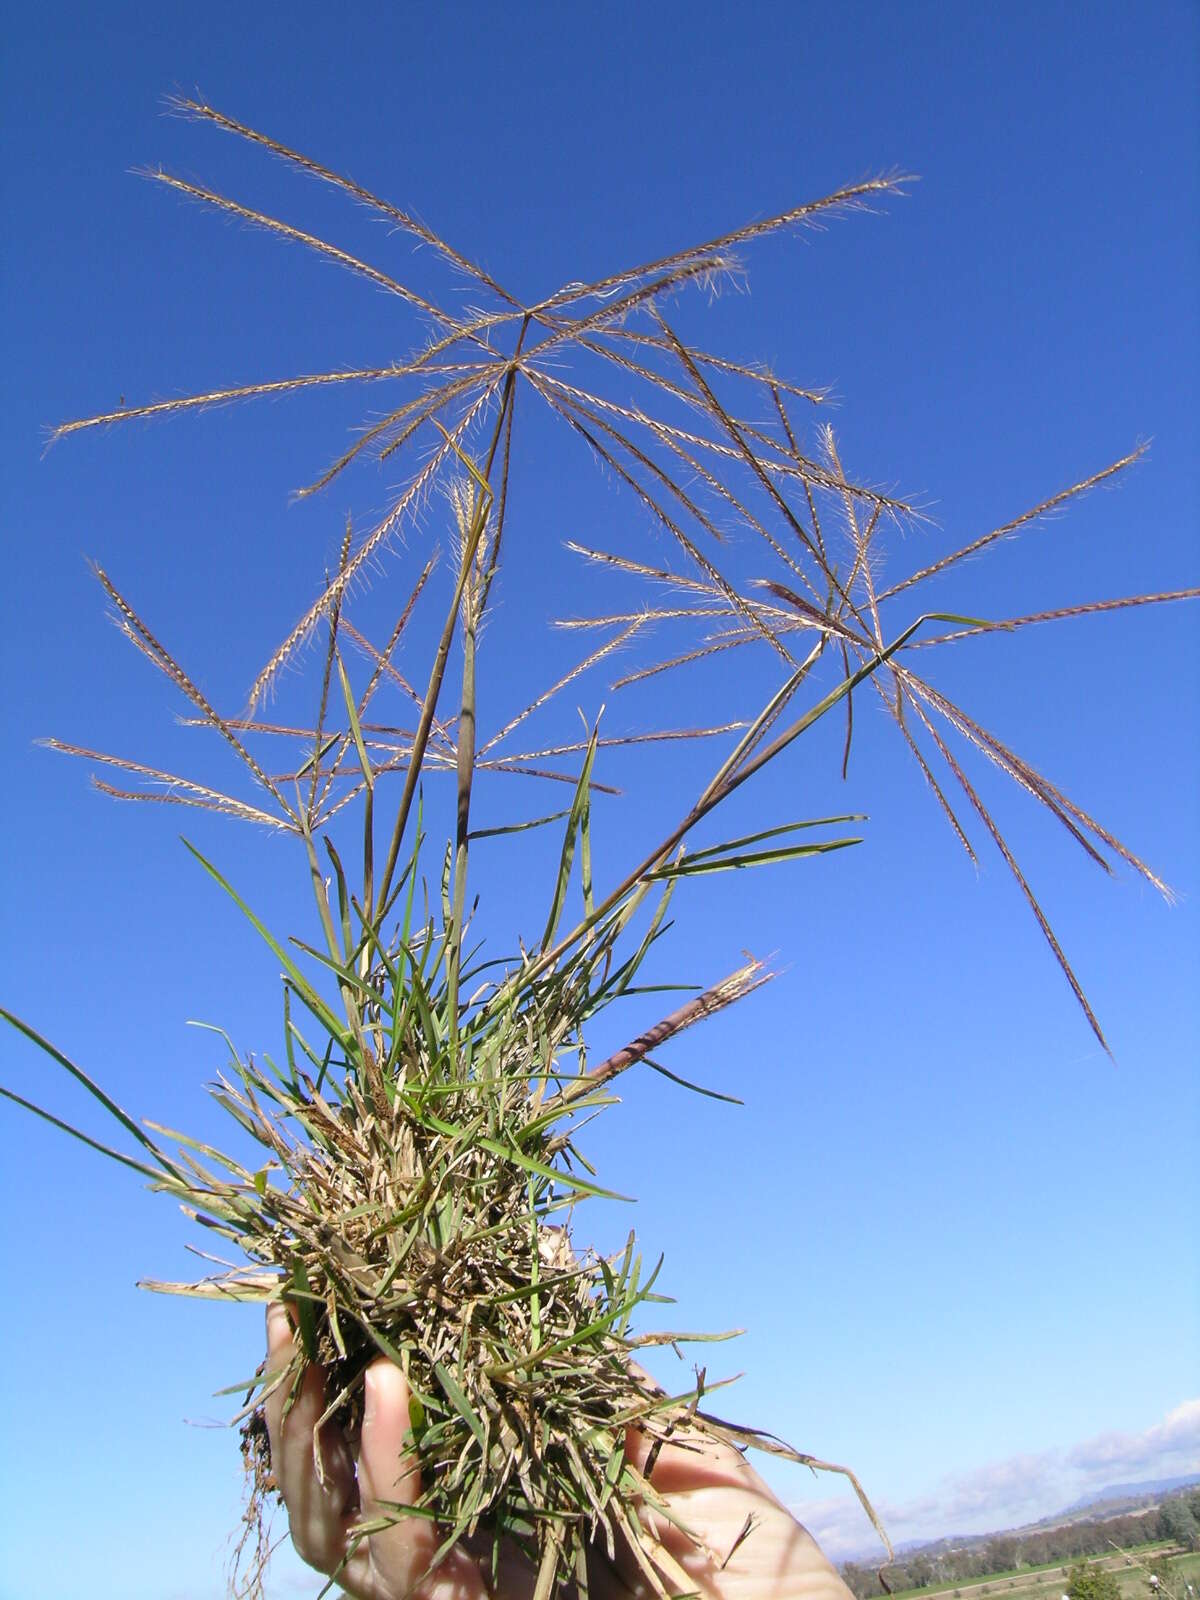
[(708, 1486)]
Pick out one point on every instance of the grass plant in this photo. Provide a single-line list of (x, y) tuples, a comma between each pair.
[(417, 1166)]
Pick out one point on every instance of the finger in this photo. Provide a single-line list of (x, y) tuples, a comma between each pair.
[(747, 1542), (317, 1500), (710, 1489), (690, 1459), (394, 1560), (389, 1476)]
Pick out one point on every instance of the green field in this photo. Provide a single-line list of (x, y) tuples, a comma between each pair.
[(1131, 1568)]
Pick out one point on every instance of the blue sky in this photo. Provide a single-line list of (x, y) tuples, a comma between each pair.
[(960, 1238)]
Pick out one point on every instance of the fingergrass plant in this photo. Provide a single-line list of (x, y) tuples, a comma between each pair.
[(417, 1168)]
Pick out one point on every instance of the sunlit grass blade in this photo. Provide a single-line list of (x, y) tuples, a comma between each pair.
[(709, 1094), (93, 1144), (300, 983), (570, 837), (692, 867), (93, 1088)]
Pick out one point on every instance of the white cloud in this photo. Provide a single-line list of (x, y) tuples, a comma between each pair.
[(1125, 1453), (839, 1525), (1019, 1489), (1021, 1483)]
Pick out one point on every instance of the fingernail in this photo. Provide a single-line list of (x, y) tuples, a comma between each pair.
[(279, 1325)]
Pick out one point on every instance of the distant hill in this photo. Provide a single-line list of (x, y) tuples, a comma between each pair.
[(1131, 1493), (1109, 1501), (1112, 1500)]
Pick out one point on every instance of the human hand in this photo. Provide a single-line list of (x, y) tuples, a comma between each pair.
[(708, 1486)]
